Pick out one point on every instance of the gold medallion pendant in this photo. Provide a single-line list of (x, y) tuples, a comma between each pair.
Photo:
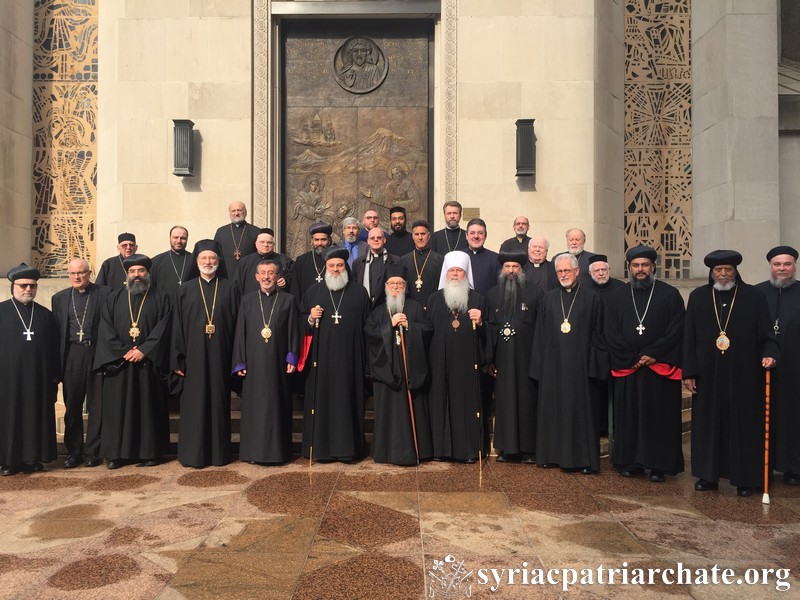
[(134, 332), (266, 333), (723, 342), (455, 324), (566, 327), (418, 283), (210, 329)]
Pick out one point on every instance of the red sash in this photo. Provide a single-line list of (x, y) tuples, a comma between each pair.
[(661, 369)]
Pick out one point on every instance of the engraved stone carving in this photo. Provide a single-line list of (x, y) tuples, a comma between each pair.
[(359, 65)]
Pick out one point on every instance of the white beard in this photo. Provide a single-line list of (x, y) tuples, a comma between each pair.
[(395, 304), (456, 295), (781, 284), (209, 271), (336, 282), (724, 287)]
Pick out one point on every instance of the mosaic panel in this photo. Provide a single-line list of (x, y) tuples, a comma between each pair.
[(64, 133), (658, 132)]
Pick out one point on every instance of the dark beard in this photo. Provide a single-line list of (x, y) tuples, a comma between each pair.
[(645, 284), (512, 289), (139, 287)]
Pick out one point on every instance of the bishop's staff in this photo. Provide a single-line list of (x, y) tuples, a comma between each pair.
[(315, 344), (478, 407), (408, 391), (765, 497)]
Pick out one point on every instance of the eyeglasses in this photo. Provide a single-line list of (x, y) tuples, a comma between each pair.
[(564, 271), (31, 286)]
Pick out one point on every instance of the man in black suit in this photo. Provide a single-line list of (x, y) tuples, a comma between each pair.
[(77, 311), (370, 269)]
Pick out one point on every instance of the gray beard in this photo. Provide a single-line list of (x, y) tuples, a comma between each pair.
[(209, 271), (724, 287), (575, 251), (350, 239), (642, 285), (395, 304), (139, 287), (781, 284), (238, 221), (456, 294), (336, 282), (318, 251)]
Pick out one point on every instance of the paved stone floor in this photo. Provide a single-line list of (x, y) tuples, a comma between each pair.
[(373, 532)]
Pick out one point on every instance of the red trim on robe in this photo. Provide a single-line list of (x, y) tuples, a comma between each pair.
[(661, 369), (307, 338)]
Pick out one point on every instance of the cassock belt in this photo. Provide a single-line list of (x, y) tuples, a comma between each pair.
[(662, 369), (83, 343)]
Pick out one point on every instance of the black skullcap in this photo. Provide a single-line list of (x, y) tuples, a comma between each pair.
[(126, 237), (204, 245), (266, 230), (641, 251), (397, 209), (137, 260), (336, 252), (598, 258), (320, 227), (395, 270), (778, 250), (517, 257), (23, 271), (722, 257)]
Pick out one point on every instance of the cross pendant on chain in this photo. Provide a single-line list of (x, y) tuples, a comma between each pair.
[(336, 316), (27, 334), (319, 277), (640, 329)]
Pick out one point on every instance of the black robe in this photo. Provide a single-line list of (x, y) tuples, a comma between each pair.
[(485, 269), (335, 388), (515, 394), (393, 439), (728, 409), (205, 399), (135, 417), (448, 240), (246, 275), (377, 273), (647, 406), (170, 268), (456, 397), (231, 237), (400, 243), (516, 246), (112, 273), (429, 266), (563, 364), (266, 424), (29, 371), (309, 269), (784, 305)]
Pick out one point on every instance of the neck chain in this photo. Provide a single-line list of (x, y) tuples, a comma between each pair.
[(210, 328), (237, 254), (27, 333), (566, 327), (124, 270), (134, 331), (723, 342), (82, 320), (174, 268), (507, 331), (318, 270), (266, 332), (640, 328), (418, 282), (447, 239), (456, 323), (336, 316)]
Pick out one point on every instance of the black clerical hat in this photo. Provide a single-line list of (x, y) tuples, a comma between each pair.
[(397, 209), (320, 227), (517, 257), (126, 237), (137, 260), (336, 252), (395, 270), (722, 257), (641, 251), (204, 245), (598, 258), (266, 230), (23, 271), (778, 250)]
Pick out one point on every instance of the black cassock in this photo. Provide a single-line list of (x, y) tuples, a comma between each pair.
[(29, 371), (205, 399), (266, 424), (239, 238), (600, 387), (456, 397), (335, 388), (425, 266), (515, 394), (563, 364), (393, 439), (112, 273), (543, 276), (309, 269), (246, 275), (171, 270), (647, 406), (784, 306), (728, 409), (135, 416)]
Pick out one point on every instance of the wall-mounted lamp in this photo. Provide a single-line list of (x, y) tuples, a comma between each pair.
[(184, 148), (526, 148)]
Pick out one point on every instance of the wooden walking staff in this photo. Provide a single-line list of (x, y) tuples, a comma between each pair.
[(408, 391), (478, 411), (765, 497)]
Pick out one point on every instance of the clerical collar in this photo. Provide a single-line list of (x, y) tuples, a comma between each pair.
[(537, 265), (178, 252), (242, 224), (274, 291), (213, 277), (456, 228), (481, 249), (569, 289)]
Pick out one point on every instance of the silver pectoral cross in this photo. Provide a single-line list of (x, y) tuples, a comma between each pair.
[(336, 316), (27, 333), (319, 277), (640, 329), (80, 335)]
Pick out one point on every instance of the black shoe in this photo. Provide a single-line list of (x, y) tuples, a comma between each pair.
[(501, 458), (745, 491), (470, 461), (705, 486), (587, 471), (93, 461), (114, 463), (528, 459), (440, 459), (548, 465), (657, 476), (791, 479), (150, 462), (631, 471), (72, 461), (6, 471), (33, 467)]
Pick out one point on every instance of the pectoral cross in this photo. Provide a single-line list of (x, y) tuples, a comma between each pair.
[(237, 255), (80, 335), (27, 333), (336, 316), (319, 277), (640, 329)]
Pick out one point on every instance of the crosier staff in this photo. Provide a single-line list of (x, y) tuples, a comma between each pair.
[(408, 391)]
